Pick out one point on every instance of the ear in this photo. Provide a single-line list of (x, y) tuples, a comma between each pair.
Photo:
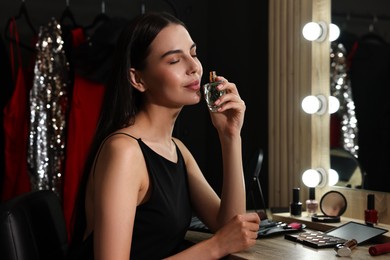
[(136, 80)]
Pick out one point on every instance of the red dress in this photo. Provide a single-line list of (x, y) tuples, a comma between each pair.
[(16, 179), (84, 114)]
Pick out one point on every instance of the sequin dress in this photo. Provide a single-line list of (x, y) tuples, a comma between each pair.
[(48, 111)]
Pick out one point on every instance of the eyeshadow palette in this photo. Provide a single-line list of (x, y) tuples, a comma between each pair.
[(316, 239), (338, 235)]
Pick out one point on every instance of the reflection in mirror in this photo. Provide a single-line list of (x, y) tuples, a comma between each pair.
[(361, 63), (347, 167), (333, 203)]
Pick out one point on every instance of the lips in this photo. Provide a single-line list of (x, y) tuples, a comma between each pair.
[(195, 85)]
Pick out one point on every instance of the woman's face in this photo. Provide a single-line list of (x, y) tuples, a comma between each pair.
[(173, 72)]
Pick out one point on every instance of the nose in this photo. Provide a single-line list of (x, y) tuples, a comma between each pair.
[(194, 65)]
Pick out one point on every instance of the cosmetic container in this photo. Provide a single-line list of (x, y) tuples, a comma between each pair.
[(379, 249), (346, 248), (371, 214), (211, 93), (311, 203), (296, 205)]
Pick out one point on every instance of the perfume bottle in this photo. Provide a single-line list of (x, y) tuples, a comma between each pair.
[(296, 205), (311, 203), (211, 93)]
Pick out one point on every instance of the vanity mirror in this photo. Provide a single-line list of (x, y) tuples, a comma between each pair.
[(364, 39), (297, 141)]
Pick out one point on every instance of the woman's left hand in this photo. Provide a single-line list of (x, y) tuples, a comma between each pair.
[(229, 118)]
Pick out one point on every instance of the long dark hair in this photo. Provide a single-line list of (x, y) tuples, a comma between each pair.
[(121, 101)]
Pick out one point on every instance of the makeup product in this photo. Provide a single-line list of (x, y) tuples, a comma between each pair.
[(333, 204), (346, 248), (370, 214), (211, 93), (311, 203), (379, 249), (296, 205)]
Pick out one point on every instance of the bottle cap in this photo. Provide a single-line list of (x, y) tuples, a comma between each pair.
[(213, 75), (296, 195), (312, 193), (370, 201), (346, 248)]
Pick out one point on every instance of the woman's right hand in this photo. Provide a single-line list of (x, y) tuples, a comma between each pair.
[(238, 234)]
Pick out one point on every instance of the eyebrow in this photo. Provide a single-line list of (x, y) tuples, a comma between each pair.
[(176, 51)]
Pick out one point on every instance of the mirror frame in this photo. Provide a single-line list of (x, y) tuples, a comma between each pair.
[(297, 68), (298, 141)]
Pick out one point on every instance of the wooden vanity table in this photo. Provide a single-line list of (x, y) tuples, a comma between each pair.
[(278, 248)]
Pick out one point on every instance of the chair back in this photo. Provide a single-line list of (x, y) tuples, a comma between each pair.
[(32, 227)]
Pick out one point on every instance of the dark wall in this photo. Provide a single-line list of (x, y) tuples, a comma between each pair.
[(231, 38)]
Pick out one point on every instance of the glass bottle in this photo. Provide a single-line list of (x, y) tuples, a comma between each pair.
[(311, 203), (211, 93)]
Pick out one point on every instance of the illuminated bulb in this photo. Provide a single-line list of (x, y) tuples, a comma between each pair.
[(334, 32), (311, 178), (334, 104), (311, 104), (313, 31), (314, 104), (333, 177)]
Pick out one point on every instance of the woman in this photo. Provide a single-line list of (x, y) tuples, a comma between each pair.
[(141, 184)]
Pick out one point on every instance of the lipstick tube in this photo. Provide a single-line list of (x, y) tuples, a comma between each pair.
[(379, 249)]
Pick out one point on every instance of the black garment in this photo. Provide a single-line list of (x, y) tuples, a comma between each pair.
[(370, 82), (93, 59), (160, 223), (5, 95)]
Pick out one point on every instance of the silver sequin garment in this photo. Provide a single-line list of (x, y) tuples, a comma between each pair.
[(340, 87), (48, 110)]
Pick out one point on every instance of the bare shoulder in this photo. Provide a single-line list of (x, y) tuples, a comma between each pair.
[(121, 144), (120, 154)]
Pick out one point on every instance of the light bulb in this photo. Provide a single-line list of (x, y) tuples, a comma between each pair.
[(311, 178), (333, 177), (314, 177), (334, 32), (314, 104), (313, 31), (334, 104), (311, 104)]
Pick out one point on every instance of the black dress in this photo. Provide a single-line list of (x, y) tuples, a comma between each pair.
[(160, 223)]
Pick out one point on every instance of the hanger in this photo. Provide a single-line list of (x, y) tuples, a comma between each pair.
[(372, 36), (21, 14), (99, 19), (168, 2), (173, 6), (68, 14)]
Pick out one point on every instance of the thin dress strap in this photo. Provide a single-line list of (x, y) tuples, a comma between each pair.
[(100, 148)]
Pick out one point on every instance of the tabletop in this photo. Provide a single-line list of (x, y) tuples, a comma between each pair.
[(277, 247)]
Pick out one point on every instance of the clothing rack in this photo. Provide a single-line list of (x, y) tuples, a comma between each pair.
[(358, 16)]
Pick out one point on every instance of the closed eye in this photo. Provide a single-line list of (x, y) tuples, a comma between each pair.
[(174, 61), (173, 53)]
